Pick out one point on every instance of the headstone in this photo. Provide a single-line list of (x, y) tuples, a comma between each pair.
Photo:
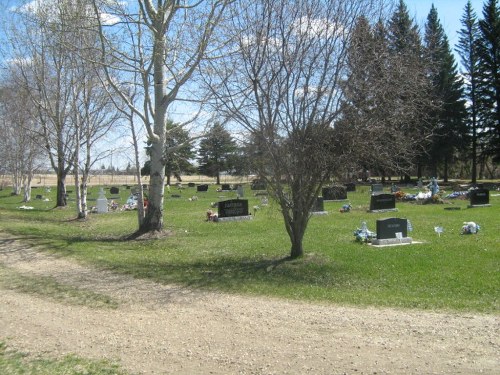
[(351, 186), (479, 198), (318, 207), (334, 193), (392, 231), (191, 184), (258, 185), (377, 188), (102, 203), (383, 203), (114, 190), (233, 209), (239, 189), (225, 187), (39, 196), (202, 187)]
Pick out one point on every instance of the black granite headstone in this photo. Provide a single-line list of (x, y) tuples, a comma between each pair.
[(191, 184), (351, 186), (258, 185), (225, 187), (387, 228), (318, 205), (232, 208), (114, 190), (479, 197), (382, 202), (334, 193), (202, 187)]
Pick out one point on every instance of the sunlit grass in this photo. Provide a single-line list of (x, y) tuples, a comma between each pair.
[(18, 363)]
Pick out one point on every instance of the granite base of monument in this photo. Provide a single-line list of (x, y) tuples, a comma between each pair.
[(392, 241), (235, 218)]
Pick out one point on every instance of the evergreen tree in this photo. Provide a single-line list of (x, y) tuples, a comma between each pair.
[(449, 112), (215, 152), (404, 42), (178, 153), (467, 49), (489, 84)]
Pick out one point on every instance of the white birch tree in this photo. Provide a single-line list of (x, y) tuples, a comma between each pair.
[(165, 42)]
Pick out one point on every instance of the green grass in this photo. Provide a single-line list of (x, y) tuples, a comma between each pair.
[(447, 272), (16, 363), (48, 287)]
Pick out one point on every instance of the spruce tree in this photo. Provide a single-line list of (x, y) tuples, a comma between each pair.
[(404, 42), (489, 68), (467, 49), (215, 152), (449, 112)]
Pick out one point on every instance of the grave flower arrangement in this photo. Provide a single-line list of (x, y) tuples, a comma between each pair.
[(363, 234), (345, 208), (470, 227)]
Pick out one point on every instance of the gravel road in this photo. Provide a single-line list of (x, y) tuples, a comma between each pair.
[(164, 329)]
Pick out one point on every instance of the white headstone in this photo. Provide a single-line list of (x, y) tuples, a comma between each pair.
[(102, 203)]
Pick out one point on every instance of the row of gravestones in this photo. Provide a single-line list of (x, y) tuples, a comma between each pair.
[(378, 203), (386, 202)]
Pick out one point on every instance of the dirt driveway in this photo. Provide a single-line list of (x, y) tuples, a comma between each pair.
[(159, 329)]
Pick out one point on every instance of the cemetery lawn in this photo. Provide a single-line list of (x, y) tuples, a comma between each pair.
[(449, 271)]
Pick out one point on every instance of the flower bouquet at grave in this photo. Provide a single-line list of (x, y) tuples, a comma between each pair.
[(345, 208), (363, 234), (470, 227), (400, 195)]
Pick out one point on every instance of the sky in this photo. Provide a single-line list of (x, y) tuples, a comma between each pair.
[(450, 13)]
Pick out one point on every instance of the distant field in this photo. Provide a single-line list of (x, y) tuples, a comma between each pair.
[(118, 179)]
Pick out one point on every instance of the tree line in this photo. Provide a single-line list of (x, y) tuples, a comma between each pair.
[(316, 90)]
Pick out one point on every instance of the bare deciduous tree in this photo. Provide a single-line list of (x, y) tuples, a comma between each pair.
[(19, 150), (165, 43), (285, 82), (282, 83)]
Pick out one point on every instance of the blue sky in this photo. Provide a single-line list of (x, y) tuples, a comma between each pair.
[(449, 11)]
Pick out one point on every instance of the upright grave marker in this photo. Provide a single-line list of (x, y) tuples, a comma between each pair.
[(382, 203), (334, 193), (377, 189), (392, 231), (318, 207), (479, 198), (201, 188), (233, 209)]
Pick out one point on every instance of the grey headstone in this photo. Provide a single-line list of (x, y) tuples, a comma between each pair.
[(377, 188)]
